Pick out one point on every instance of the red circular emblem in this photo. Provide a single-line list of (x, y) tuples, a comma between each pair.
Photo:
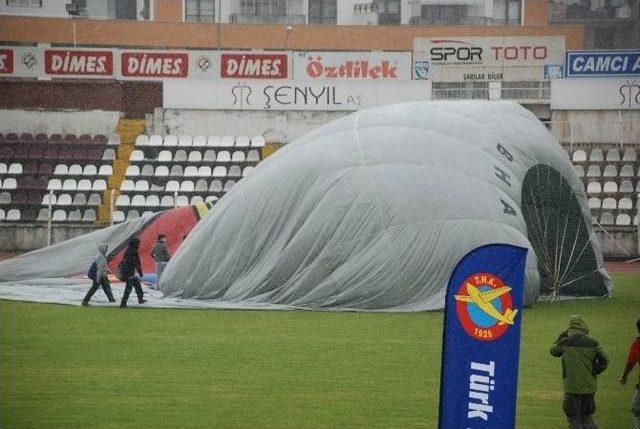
[(484, 306)]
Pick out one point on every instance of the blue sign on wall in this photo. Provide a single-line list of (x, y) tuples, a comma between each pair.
[(481, 341), (602, 63)]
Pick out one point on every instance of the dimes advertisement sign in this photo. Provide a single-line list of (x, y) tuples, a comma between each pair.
[(352, 65), (482, 59)]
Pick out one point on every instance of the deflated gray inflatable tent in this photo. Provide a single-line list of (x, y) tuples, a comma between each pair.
[(373, 212)]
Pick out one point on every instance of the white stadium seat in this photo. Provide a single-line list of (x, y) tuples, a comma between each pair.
[(13, 214), (147, 170), (223, 156), (594, 188), (75, 170), (133, 214), (187, 186), (613, 155), (95, 200), (3, 168), (164, 156), (127, 185), (209, 155), (199, 141), (180, 156), (74, 216), (54, 184), (257, 141), (594, 171), (99, 185), (84, 185), (606, 218), (626, 171), (12, 183), (247, 171), (47, 197), (59, 215), (196, 199), (211, 199), (625, 204), (182, 200), (109, 154), (234, 171), (579, 156), (596, 155), (172, 186), (142, 140), (138, 200), (201, 186), (610, 188), (610, 171), (594, 203), (213, 141), (5, 198), (15, 168), (64, 200), (243, 141), (185, 140), (61, 170), (141, 186), (155, 140), (89, 215), (123, 201), (113, 139), (609, 203), (191, 171), (132, 171), (623, 219), (626, 187), (117, 216), (226, 141), (166, 201), (228, 185), (579, 170), (253, 156), (238, 156), (162, 171), (90, 170), (43, 215), (630, 155), (136, 155), (204, 171), (219, 171), (216, 186), (152, 201), (69, 185), (195, 156), (170, 140)]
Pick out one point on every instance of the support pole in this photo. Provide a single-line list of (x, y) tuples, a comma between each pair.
[(111, 205), (49, 216)]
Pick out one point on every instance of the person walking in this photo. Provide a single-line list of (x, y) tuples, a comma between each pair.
[(101, 276), (634, 361), (583, 358), (127, 271), (160, 253)]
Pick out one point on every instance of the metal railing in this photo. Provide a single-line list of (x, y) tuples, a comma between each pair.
[(245, 18)]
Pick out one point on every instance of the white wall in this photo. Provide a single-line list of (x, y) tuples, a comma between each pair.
[(50, 8), (276, 126), (62, 122), (598, 126)]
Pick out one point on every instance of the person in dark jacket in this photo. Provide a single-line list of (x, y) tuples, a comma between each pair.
[(160, 253), (128, 267), (101, 279), (582, 360), (634, 361)]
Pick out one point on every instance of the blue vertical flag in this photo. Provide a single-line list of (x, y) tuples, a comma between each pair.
[(481, 340)]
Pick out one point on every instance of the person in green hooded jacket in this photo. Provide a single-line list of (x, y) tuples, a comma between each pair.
[(583, 358)]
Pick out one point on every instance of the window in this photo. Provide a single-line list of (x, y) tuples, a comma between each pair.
[(24, 3), (388, 12), (199, 11), (323, 11)]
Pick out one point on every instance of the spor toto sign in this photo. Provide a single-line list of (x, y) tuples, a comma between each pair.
[(254, 66), (485, 58)]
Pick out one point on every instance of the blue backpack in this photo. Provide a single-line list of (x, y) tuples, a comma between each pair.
[(92, 271)]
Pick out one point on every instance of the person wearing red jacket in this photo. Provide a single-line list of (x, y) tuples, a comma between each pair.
[(632, 361)]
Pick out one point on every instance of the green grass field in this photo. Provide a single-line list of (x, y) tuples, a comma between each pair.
[(73, 367)]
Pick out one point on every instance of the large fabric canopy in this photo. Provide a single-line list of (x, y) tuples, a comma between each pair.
[(373, 212)]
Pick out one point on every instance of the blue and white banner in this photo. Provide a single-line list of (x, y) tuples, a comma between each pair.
[(602, 63), (481, 343)]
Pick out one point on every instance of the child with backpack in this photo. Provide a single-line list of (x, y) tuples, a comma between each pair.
[(98, 272)]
